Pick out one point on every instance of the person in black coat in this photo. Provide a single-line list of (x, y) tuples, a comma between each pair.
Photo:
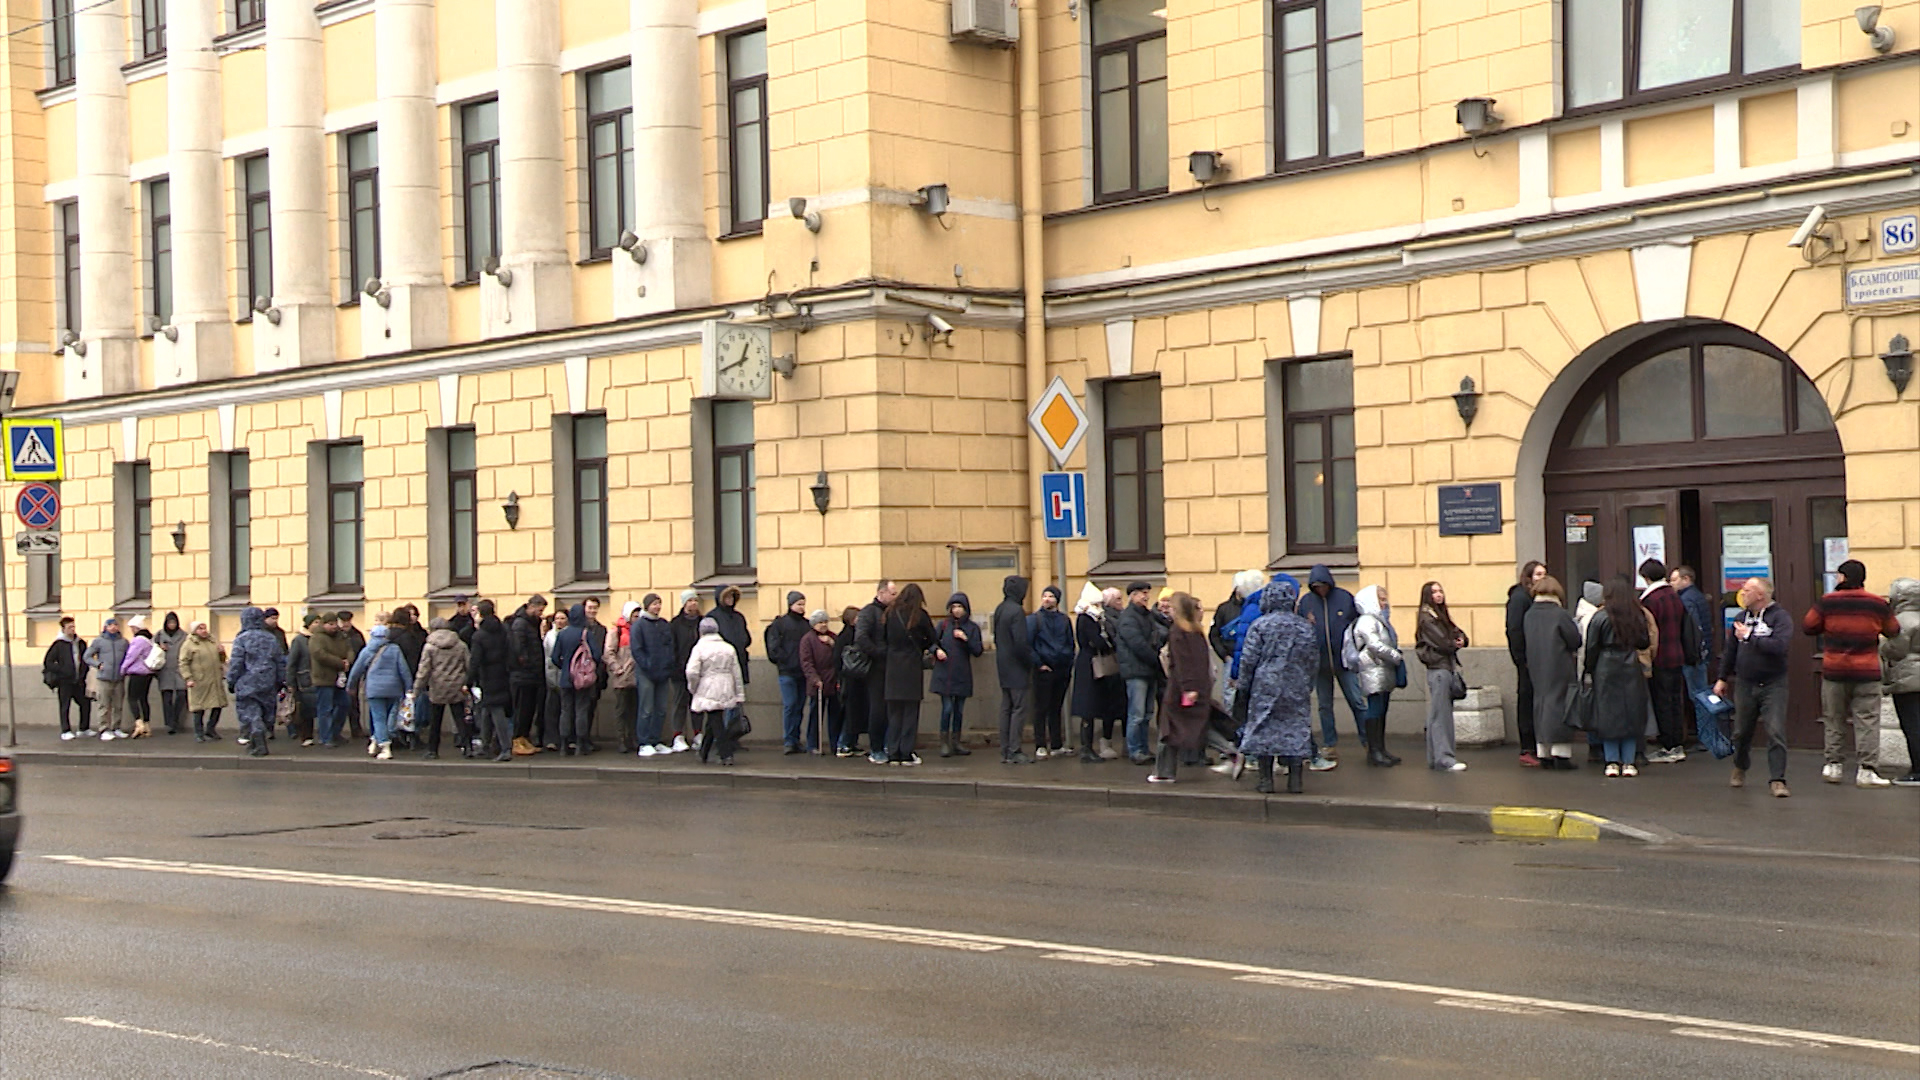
[(1519, 603), (65, 674), (1013, 662), (1553, 649), (1094, 697), (1137, 637), (959, 643), (526, 667), (685, 625), (909, 637), (733, 628), (869, 712), (1620, 701), (782, 638), (489, 669)]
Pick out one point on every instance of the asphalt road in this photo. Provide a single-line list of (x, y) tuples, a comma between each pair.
[(179, 924)]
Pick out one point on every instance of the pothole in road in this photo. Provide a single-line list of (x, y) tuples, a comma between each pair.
[(520, 1070)]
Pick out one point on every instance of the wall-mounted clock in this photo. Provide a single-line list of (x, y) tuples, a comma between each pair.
[(736, 360)]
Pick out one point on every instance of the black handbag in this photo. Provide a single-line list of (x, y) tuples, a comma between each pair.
[(1580, 708), (739, 727), (1458, 688)]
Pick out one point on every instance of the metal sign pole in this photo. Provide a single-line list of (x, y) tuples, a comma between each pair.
[(6, 642)]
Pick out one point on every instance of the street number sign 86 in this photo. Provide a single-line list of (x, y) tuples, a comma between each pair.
[(1899, 235)]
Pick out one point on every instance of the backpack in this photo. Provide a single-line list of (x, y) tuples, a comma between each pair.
[(155, 659), (1351, 654), (581, 670)]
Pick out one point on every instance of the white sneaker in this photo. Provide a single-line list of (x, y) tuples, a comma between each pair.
[(106, 736), (1831, 773), (306, 742), (1223, 768), (647, 751), (1458, 766), (1107, 752), (386, 752), (372, 748), (662, 748), (242, 741), (1326, 764), (66, 736), (680, 744), (1040, 753), (1867, 778)]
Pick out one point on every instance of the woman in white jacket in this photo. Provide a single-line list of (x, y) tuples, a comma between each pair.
[(1372, 653), (716, 688)]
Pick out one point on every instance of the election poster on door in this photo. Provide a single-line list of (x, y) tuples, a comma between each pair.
[(1746, 551), (1649, 542)]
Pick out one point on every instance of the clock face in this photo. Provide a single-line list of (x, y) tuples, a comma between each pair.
[(743, 361)]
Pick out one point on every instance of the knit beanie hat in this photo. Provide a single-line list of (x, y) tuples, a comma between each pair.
[(687, 595), (1053, 591), (818, 618), (795, 598), (708, 626), (649, 600)]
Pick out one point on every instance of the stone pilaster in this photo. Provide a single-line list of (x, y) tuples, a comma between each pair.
[(109, 364), (533, 227), (302, 300), (669, 211), (199, 343), (415, 314)]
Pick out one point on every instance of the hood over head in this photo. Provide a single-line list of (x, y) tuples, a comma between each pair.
[(730, 597), (1905, 595), (252, 618), (1247, 582), (1090, 599), (443, 636), (627, 609), (1368, 600), (376, 636), (1014, 588), (577, 615), (1279, 596), (961, 599), (1319, 575)]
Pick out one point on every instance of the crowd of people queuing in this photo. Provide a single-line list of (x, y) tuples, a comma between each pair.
[(1145, 676)]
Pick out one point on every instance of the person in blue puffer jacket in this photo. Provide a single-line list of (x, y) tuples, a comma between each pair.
[(382, 667), (1051, 634), (653, 662)]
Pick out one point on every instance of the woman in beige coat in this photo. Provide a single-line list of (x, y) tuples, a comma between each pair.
[(713, 679), (203, 664)]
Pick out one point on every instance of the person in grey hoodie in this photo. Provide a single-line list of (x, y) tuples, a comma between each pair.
[(1013, 662), (105, 656), (256, 670), (1900, 671)]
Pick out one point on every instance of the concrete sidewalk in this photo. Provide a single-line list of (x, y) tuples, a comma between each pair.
[(1687, 804)]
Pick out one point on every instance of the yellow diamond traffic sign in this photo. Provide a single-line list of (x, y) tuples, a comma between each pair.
[(1059, 421)]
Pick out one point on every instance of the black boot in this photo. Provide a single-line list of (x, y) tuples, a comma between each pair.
[(1377, 744), (1087, 753), (1265, 786), (946, 744), (1294, 768)]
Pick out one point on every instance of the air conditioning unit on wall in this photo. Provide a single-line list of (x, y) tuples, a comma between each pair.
[(986, 22)]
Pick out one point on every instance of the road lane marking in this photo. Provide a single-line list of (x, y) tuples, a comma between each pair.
[(1292, 983), (942, 939), (1756, 1040), (203, 1040), (1497, 1006), (1105, 961)]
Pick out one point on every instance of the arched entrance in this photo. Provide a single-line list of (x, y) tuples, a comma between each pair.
[(1707, 446)]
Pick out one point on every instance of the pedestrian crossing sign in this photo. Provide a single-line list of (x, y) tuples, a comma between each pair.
[(36, 450)]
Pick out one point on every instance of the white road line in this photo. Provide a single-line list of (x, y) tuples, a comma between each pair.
[(1105, 961), (1296, 984), (202, 1040), (1728, 1036), (1495, 1006), (944, 939)]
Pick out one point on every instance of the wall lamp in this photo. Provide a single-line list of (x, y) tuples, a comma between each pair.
[(822, 492), (179, 535), (377, 291), (1205, 165), (934, 199), (1476, 117), (631, 243), (797, 206), (512, 509), (263, 306), (1880, 37), (1466, 401), (1899, 361), (501, 274)]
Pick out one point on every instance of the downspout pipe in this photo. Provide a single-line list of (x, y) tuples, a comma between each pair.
[(1033, 274)]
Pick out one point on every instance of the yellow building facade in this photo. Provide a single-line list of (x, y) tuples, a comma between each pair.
[(1262, 241)]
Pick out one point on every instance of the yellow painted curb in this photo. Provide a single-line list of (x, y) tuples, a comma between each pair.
[(1529, 821), (1578, 826)]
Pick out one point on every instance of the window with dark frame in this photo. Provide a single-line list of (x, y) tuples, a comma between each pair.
[(363, 208), (610, 157), (345, 517), (735, 545), (153, 28), (160, 247), (142, 530), (1322, 487), (69, 212), (1625, 50), (590, 496), (1317, 88), (747, 125), (1129, 99), (60, 30), (239, 522), (249, 13), (480, 182), (463, 533), (1136, 504), (257, 203)]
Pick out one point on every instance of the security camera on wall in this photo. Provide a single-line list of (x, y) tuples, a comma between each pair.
[(1816, 217)]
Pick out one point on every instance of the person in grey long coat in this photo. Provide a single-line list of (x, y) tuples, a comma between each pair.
[(1553, 667), (173, 685), (1277, 665)]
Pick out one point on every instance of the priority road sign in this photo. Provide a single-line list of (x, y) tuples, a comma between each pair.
[(1063, 505), (38, 506), (1059, 421), (36, 449)]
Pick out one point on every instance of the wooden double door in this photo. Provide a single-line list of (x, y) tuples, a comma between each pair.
[(1789, 530)]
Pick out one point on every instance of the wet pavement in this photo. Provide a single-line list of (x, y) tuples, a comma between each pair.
[(216, 923)]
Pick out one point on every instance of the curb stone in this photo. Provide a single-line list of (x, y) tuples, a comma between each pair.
[(1541, 823)]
